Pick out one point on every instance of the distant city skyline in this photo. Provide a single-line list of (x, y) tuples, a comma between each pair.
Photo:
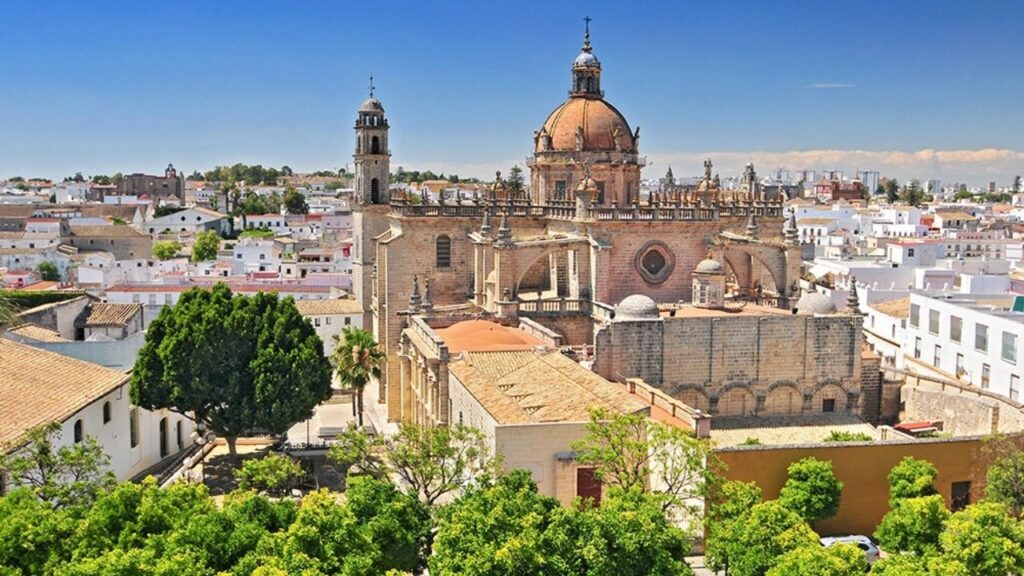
[(911, 89)]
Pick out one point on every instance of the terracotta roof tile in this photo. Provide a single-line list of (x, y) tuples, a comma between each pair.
[(37, 333), (37, 387), (111, 314), (331, 306)]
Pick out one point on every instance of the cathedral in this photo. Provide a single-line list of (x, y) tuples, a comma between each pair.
[(565, 258)]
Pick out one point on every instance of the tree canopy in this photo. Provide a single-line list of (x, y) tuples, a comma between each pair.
[(911, 478), (233, 363), (295, 201), (812, 489), (913, 525), (357, 361), (205, 246), (166, 249), (48, 271)]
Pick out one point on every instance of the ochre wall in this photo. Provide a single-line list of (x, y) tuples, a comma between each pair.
[(864, 471)]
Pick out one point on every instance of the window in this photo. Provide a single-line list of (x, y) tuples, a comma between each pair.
[(78, 431), (917, 347), (915, 315), (933, 321), (960, 365), (444, 252), (938, 356), (910, 252), (1014, 387), (828, 405), (560, 189), (1010, 347), (316, 322), (960, 495), (986, 374), (588, 485), (178, 438), (981, 337), (106, 412), (956, 326), (133, 426), (348, 321), (163, 438), (328, 320)]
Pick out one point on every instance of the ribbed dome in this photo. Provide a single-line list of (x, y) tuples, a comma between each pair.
[(371, 105), (599, 120), (709, 266), (586, 59), (636, 307), (814, 303)]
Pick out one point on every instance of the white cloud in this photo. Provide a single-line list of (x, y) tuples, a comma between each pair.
[(975, 167)]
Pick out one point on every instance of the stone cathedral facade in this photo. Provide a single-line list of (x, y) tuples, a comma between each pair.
[(564, 255)]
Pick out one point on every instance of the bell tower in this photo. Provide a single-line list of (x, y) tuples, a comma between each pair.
[(370, 200), (372, 156)]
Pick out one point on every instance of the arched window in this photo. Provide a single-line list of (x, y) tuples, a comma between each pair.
[(374, 191), (590, 83), (163, 438), (106, 412), (78, 431), (444, 252), (375, 145)]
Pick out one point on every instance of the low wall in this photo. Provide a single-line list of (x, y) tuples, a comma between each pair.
[(863, 467)]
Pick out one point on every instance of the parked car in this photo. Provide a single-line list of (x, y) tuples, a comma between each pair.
[(871, 551)]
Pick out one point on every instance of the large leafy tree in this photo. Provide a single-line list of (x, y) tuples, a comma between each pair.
[(838, 560), (72, 474), (205, 246), (757, 541), (911, 478), (166, 249), (728, 503), (433, 461), (812, 489), (630, 451), (295, 201), (985, 539), (1005, 478), (913, 525), (232, 363), (357, 360)]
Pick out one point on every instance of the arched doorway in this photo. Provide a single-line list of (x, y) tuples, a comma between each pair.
[(375, 191), (163, 438)]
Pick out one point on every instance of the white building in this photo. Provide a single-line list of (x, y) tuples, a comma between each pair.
[(189, 221), (975, 339), (87, 400), (330, 317)]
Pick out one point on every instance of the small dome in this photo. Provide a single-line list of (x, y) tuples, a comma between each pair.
[(636, 307), (814, 303), (586, 60), (709, 266), (371, 105)]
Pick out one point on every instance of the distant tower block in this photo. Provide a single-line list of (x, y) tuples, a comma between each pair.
[(372, 156)]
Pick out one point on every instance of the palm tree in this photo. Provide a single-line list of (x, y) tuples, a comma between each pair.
[(357, 360)]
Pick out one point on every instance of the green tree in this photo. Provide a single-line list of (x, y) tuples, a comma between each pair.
[(985, 540), (357, 359), (837, 560), (295, 201), (891, 189), (963, 193), (632, 452), (910, 565), (273, 474), (399, 524), (48, 271), (33, 534), (913, 525), (205, 246), (1005, 480), (912, 193), (166, 249), (514, 183), (432, 461), (233, 363), (757, 541), (101, 179), (812, 490), (846, 436), (729, 503), (72, 474), (911, 478)]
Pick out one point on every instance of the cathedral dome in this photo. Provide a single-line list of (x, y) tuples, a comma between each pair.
[(586, 59), (604, 127), (637, 307), (371, 105), (813, 303)]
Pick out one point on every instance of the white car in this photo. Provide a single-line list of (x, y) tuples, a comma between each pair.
[(871, 551)]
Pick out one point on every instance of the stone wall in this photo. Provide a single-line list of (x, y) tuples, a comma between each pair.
[(743, 364)]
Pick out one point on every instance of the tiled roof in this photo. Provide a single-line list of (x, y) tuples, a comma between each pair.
[(899, 308), (37, 387), (37, 333), (530, 387), (111, 314), (330, 306), (111, 231), (485, 336)]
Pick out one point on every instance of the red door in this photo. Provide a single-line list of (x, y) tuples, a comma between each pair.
[(587, 485)]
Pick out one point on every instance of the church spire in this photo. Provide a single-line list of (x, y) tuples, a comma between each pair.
[(586, 70), (586, 34)]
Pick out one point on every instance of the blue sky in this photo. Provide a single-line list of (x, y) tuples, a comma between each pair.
[(914, 88)]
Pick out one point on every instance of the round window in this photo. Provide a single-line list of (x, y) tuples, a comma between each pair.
[(655, 262)]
